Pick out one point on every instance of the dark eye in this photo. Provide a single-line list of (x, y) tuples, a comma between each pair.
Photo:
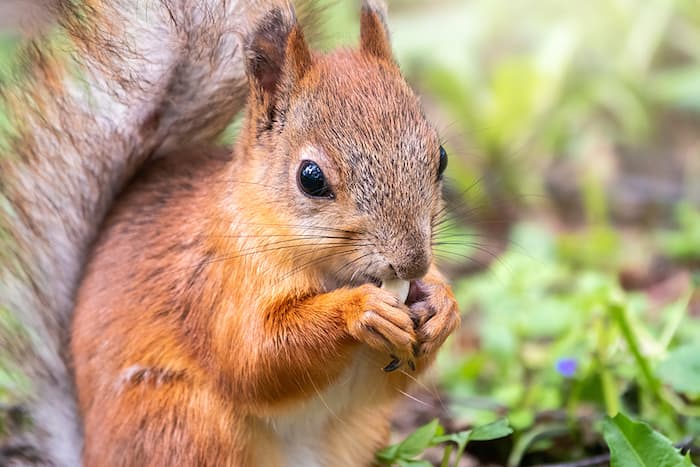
[(443, 162), (312, 181)]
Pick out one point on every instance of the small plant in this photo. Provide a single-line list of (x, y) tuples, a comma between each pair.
[(405, 453)]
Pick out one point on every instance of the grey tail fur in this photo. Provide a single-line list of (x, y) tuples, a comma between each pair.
[(116, 83)]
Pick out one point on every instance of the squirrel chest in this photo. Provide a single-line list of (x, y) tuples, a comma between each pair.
[(323, 430)]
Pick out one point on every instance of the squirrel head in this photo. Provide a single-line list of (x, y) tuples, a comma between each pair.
[(341, 151)]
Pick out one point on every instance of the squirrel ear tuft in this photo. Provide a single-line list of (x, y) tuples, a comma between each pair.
[(277, 57), (374, 31), (298, 55)]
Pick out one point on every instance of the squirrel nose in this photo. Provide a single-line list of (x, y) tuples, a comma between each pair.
[(414, 266)]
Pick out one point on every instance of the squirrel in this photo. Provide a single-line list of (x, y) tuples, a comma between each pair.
[(229, 309)]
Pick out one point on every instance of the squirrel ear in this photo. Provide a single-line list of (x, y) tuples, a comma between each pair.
[(374, 32), (277, 57)]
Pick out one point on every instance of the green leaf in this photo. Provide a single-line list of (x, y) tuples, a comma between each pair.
[(413, 463), (460, 439), (388, 454), (528, 438), (635, 444), (681, 369), (495, 430), (403, 452), (419, 440)]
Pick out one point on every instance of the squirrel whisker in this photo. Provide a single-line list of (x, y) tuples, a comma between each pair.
[(350, 263), (317, 261), (304, 226), (476, 246), (265, 250), (284, 235)]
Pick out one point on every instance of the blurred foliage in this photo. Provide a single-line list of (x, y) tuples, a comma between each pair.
[(527, 82), (555, 336), (683, 243)]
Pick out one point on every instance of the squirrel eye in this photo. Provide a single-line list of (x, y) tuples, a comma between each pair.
[(443, 162), (312, 181)]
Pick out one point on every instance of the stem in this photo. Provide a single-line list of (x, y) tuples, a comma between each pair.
[(607, 379), (619, 314), (460, 452), (446, 457), (677, 313)]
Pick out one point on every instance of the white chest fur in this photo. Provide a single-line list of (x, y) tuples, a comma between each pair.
[(302, 431)]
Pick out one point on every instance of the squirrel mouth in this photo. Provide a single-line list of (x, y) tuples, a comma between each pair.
[(373, 280), (356, 281)]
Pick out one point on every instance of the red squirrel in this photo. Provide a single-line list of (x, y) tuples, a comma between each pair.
[(230, 312)]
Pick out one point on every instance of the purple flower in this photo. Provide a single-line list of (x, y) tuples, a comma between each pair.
[(566, 367)]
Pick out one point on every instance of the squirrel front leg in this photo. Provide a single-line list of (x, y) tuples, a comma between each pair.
[(309, 342)]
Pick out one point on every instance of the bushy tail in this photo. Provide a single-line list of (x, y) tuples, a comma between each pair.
[(115, 83)]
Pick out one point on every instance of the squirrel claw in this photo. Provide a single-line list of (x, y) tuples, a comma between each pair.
[(393, 365)]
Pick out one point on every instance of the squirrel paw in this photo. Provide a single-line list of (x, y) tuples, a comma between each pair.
[(385, 324), (435, 315)]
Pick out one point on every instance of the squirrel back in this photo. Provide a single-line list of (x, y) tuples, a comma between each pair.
[(117, 83)]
